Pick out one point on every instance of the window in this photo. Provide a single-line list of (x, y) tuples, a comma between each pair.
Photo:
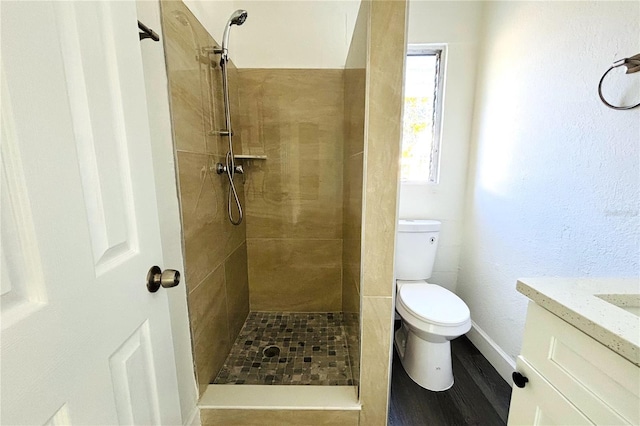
[(422, 119)]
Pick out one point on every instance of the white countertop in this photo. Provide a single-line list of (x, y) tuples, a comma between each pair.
[(606, 309)]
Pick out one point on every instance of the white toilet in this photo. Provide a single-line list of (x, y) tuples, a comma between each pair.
[(431, 315)]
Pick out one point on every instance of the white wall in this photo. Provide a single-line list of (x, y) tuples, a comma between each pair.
[(458, 25), (554, 183), (283, 34), (213, 15)]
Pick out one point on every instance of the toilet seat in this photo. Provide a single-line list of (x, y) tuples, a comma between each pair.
[(448, 310)]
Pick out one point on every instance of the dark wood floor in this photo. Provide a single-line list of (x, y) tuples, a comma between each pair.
[(479, 395)]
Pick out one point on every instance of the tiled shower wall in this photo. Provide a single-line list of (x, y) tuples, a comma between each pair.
[(383, 118), (352, 184), (353, 156), (294, 197), (215, 251)]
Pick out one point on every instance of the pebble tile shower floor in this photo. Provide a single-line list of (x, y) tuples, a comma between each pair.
[(311, 350)]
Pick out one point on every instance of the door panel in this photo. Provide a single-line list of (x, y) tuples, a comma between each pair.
[(133, 376), (83, 341), (539, 403), (99, 123), (21, 273)]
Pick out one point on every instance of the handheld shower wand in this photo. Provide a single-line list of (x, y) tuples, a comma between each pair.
[(237, 18)]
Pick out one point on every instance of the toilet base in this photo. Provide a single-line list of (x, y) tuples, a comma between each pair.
[(427, 363)]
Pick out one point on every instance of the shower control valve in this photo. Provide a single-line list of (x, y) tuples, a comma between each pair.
[(221, 168)]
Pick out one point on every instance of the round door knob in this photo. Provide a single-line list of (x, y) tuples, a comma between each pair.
[(157, 278), (519, 380)]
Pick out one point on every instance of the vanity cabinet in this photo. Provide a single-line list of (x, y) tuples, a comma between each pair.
[(572, 378)]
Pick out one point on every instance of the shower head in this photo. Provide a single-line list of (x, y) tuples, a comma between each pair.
[(237, 18)]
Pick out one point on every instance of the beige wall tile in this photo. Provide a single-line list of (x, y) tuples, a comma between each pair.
[(209, 326), (377, 326), (212, 417), (195, 79), (277, 215), (234, 97), (216, 143), (297, 191), (189, 75), (382, 147), (212, 99), (180, 39), (352, 218), (209, 89), (325, 417), (352, 330), (354, 108), (295, 275), (187, 110), (287, 98), (354, 118), (385, 68), (239, 417), (281, 106), (294, 196), (350, 293), (351, 243), (215, 250), (237, 286), (209, 236)]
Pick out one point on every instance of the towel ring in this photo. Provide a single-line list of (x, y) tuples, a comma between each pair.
[(632, 62)]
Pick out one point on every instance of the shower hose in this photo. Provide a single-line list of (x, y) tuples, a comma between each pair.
[(230, 166)]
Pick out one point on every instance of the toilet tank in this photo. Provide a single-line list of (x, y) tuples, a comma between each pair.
[(416, 247)]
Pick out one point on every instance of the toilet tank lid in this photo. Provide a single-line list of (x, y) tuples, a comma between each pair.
[(418, 225)]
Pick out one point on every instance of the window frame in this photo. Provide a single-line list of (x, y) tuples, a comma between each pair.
[(440, 51)]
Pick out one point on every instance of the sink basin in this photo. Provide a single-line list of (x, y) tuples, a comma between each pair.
[(628, 302)]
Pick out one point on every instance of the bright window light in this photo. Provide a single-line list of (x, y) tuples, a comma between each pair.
[(422, 114)]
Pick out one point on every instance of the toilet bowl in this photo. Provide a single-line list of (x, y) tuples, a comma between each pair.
[(431, 315)]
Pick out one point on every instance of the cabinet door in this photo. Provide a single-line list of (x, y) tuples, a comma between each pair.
[(539, 403), (601, 383)]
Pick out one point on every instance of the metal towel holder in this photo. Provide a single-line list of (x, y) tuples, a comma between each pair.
[(147, 32), (633, 65)]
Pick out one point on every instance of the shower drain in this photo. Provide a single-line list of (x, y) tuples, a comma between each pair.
[(271, 351)]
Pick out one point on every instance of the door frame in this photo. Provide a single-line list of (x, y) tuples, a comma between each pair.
[(168, 204)]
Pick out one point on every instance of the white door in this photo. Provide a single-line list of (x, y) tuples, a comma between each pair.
[(83, 341)]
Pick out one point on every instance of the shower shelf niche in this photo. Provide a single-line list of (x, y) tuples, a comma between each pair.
[(250, 157)]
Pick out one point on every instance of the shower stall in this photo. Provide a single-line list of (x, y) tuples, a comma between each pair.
[(271, 231)]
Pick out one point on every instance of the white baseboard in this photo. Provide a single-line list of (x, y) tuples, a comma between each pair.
[(492, 352), (194, 417)]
